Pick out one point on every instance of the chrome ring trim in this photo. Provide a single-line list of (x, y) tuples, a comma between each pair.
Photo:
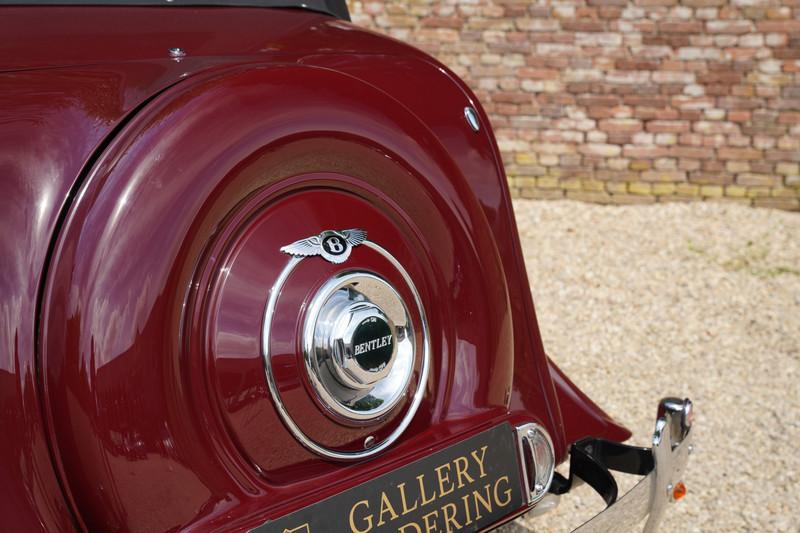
[(273, 388)]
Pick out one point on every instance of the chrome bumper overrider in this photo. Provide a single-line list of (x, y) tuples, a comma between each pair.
[(663, 466)]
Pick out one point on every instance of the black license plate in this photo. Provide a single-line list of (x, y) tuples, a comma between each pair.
[(465, 487)]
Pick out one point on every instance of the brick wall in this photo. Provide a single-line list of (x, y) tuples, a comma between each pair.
[(622, 101)]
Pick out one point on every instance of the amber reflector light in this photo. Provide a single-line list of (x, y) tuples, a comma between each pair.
[(679, 491)]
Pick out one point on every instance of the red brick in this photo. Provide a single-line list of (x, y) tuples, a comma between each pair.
[(644, 152), (774, 130), (691, 139), (737, 27), (718, 90), (783, 155), (616, 175), (620, 3), (763, 167), (792, 27), (597, 100), (739, 116), (673, 40), (555, 98), (688, 164), (734, 102), (619, 137), (684, 26), (704, 3), (790, 118), (511, 97), (656, 113), (625, 125), (742, 54), (649, 101), (587, 25), (578, 87), (791, 66), (786, 53), (710, 178), (596, 112), (741, 154), (635, 64), (668, 126), (538, 73), (691, 152), (442, 22), (505, 109), (609, 12), (711, 165), (742, 90), (727, 76), (538, 11), (655, 3)]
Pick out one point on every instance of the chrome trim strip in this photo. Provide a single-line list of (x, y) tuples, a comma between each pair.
[(273, 389), (625, 514)]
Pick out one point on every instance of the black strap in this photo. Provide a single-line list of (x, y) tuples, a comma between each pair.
[(592, 460)]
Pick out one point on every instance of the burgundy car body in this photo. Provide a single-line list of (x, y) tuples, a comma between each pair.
[(145, 199)]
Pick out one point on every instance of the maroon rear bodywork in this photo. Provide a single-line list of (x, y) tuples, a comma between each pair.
[(144, 202)]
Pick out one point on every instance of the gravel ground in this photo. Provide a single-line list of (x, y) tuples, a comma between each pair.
[(701, 299)]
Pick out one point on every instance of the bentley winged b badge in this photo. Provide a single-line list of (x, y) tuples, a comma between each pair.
[(334, 246)]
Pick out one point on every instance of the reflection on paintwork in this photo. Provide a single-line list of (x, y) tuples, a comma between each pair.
[(49, 124)]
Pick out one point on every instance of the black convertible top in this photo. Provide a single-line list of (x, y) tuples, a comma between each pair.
[(334, 8)]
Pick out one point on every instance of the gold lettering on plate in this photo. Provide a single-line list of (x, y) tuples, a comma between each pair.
[(367, 519), (449, 511), (444, 477), (430, 526), (425, 499), (441, 481), (402, 488), (461, 471), (386, 507), (480, 460)]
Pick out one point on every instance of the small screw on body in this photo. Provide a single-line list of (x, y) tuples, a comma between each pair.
[(472, 118), (369, 442)]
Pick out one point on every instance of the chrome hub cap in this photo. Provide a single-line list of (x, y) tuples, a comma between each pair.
[(358, 344)]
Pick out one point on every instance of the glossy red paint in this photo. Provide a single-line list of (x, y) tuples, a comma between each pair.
[(145, 387)]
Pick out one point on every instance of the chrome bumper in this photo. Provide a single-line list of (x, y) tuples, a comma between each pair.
[(663, 466)]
